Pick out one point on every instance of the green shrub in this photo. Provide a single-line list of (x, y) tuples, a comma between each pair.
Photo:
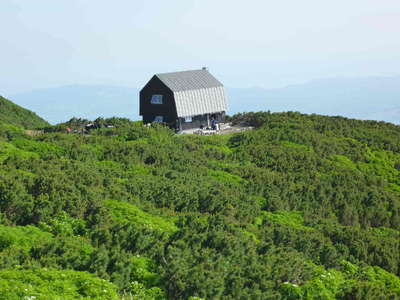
[(46, 284), (8, 131), (292, 219), (41, 148), (125, 212), (24, 237), (7, 150)]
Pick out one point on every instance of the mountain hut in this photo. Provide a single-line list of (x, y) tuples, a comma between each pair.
[(183, 100)]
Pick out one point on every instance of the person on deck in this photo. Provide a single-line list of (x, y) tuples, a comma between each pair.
[(214, 124)]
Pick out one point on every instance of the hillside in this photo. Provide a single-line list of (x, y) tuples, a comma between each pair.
[(301, 207), (59, 104), (370, 98), (13, 114)]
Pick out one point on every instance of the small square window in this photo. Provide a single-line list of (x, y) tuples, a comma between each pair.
[(188, 120), (159, 119), (156, 99)]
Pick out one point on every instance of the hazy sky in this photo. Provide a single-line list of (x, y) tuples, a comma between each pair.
[(46, 43)]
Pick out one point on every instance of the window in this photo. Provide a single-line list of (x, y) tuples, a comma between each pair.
[(159, 119), (156, 99), (188, 119)]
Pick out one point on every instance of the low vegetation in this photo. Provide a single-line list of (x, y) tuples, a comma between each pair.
[(301, 207)]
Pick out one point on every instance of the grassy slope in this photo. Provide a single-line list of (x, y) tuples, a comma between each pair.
[(161, 195), (13, 114)]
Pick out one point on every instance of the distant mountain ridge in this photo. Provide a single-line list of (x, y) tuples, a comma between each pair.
[(86, 101), (13, 114), (375, 98)]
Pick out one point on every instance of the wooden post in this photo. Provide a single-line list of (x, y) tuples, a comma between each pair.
[(179, 124)]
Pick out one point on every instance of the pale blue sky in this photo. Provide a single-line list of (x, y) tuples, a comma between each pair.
[(47, 43)]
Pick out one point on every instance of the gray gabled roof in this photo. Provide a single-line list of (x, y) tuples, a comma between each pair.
[(189, 80), (196, 92)]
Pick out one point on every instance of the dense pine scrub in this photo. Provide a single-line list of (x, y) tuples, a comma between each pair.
[(12, 114), (301, 207)]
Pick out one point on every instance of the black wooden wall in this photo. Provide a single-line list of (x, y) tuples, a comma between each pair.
[(149, 111)]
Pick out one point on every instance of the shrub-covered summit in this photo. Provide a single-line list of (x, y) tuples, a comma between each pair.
[(301, 207), (13, 114)]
